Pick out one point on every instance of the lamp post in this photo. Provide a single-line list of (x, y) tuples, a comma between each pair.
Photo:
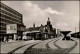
[(79, 24)]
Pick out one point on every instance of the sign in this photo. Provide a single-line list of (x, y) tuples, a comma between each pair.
[(11, 28)]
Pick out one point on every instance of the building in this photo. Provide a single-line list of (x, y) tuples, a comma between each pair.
[(42, 31), (58, 32), (76, 35), (10, 16), (50, 29)]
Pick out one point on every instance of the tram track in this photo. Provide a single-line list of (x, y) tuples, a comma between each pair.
[(12, 52), (67, 52), (30, 47), (47, 45), (48, 48), (54, 43), (59, 48), (28, 50)]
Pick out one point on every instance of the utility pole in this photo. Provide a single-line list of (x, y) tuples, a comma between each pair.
[(75, 29), (79, 24), (79, 18)]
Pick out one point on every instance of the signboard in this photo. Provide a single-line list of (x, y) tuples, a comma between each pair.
[(11, 28)]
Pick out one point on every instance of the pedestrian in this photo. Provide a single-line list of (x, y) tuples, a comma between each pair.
[(7, 39), (4, 39), (0, 39)]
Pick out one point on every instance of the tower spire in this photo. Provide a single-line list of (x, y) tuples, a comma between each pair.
[(34, 24), (48, 19), (48, 22)]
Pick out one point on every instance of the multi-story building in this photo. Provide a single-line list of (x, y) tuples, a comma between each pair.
[(10, 16)]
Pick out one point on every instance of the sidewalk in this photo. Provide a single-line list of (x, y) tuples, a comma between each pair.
[(65, 43), (5, 48), (10, 41), (76, 49)]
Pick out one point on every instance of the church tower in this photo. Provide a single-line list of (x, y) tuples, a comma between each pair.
[(34, 25), (48, 22), (48, 25)]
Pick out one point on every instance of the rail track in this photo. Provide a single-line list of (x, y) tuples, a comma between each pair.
[(48, 50), (32, 50)]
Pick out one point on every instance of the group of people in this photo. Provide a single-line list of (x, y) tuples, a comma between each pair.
[(4, 39)]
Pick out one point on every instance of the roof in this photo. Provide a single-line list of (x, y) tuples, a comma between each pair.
[(65, 32), (33, 29), (75, 33)]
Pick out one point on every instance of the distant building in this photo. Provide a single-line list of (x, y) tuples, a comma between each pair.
[(43, 31), (8, 17), (58, 32), (76, 35), (50, 29)]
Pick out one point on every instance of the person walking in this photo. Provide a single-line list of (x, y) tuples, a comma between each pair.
[(7, 39)]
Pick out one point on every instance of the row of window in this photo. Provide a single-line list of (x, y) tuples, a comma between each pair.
[(2, 31), (9, 9), (8, 21), (3, 24), (7, 18), (3, 28), (10, 15)]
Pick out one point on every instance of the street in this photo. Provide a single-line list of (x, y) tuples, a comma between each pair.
[(54, 45), (38, 27), (75, 50)]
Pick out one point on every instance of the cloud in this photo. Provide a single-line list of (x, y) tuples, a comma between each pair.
[(50, 10), (35, 14), (59, 13), (62, 24)]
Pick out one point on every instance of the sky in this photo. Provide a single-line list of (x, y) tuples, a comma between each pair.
[(64, 15)]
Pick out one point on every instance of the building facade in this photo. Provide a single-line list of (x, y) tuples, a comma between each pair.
[(42, 31), (76, 35), (58, 32), (50, 29), (10, 16)]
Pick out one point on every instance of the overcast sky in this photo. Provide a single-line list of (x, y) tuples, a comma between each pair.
[(63, 15)]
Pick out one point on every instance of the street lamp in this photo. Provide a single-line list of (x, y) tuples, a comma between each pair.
[(79, 24)]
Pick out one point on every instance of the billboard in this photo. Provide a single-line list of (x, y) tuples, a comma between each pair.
[(11, 28)]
